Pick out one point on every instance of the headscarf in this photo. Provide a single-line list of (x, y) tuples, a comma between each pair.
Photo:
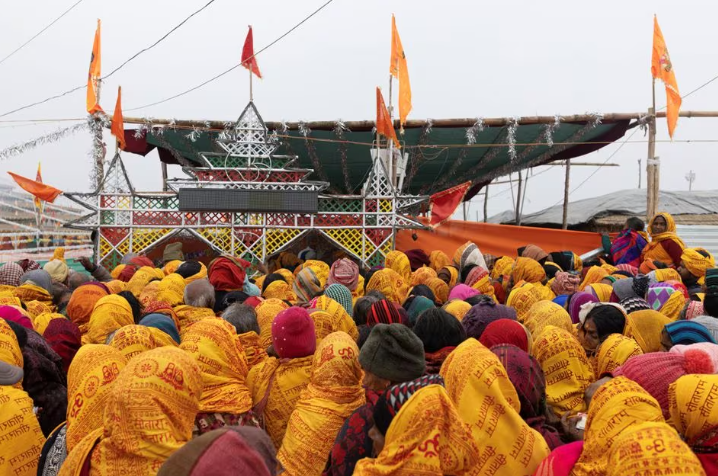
[(634, 304), (90, 381), (116, 286), (417, 258), (502, 267), (528, 379), (151, 418), (462, 292), (645, 327), (399, 262), (38, 277), (320, 269), (626, 249), (457, 308), (57, 270), (468, 254), (227, 273), (476, 379), (567, 369), (565, 283), (579, 300), (65, 339), (438, 259), (82, 302), (428, 419), (665, 274), (693, 310), (20, 433), (422, 275), (601, 291), (608, 416), (390, 284), (653, 448), (307, 286), (10, 274), (418, 305), (529, 270), (696, 263), (171, 289), (594, 275), (666, 300), (475, 274), (136, 339), (41, 322), (688, 332), (482, 314), (544, 314), (10, 352), (710, 323), (163, 323), (344, 271), (614, 352), (342, 295), (654, 250), (440, 290), (452, 273), (339, 319), (142, 278), (522, 298), (534, 252), (507, 332), (17, 315), (623, 289), (201, 274), (110, 313), (561, 460), (383, 312), (149, 293), (215, 347), (280, 290), (333, 393), (267, 310), (695, 415)]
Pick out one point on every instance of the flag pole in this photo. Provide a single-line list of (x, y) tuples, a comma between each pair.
[(652, 166), (391, 163), (251, 95)]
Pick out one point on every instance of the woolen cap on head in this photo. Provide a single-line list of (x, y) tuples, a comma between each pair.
[(393, 352), (293, 333), (10, 374)]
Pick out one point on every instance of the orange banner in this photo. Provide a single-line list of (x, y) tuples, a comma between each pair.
[(38, 189), (498, 240)]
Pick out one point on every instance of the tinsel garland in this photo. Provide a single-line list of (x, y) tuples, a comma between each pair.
[(339, 129), (472, 133), (511, 129), (59, 134), (423, 140), (305, 131), (549, 130), (450, 175)]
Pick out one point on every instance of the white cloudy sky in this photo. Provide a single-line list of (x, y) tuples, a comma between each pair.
[(466, 59)]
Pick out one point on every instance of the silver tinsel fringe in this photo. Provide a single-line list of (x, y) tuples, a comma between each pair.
[(472, 132), (549, 130), (512, 128), (304, 129)]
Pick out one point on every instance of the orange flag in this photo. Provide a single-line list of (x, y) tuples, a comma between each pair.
[(249, 61), (384, 126), (93, 76), (38, 189), (38, 178), (400, 70), (118, 122), (662, 68), (443, 204)]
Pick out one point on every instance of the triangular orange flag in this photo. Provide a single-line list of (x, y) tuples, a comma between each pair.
[(39, 190), (118, 122), (93, 77), (384, 126), (38, 178), (249, 61), (400, 70), (443, 204), (662, 68)]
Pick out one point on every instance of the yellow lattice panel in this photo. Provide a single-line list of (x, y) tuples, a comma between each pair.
[(219, 237), (351, 240), (143, 238), (278, 238), (124, 247), (124, 203), (105, 247), (385, 206)]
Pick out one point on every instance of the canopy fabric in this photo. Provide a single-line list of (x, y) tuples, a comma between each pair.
[(439, 156)]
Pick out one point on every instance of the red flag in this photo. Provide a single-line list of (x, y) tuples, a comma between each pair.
[(118, 122), (39, 190), (248, 59), (443, 204), (384, 126)]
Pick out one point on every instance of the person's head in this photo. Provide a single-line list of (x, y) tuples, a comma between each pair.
[(75, 280), (199, 293), (659, 225), (270, 279), (172, 252), (694, 264), (243, 318), (361, 309), (635, 224), (600, 322), (438, 329), (684, 333), (293, 334), (189, 268), (134, 304), (391, 354), (591, 390), (59, 290)]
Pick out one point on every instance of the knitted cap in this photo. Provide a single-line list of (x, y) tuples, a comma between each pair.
[(10, 374), (383, 312), (393, 352), (57, 269), (688, 332), (479, 316), (293, 333), (634, 304), (391, 401)]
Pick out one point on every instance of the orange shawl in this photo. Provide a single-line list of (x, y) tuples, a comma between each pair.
[(189, 315), (82, 302), (390, 284), (267, 310), (253, 350), (134, 340), (21, 438), (340, 320), (111, 313), (654, 250)]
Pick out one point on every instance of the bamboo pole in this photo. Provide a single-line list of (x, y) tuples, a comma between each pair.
[(165, 187), (652, 178), (566, 185), (518, 202), (486, 203), (419, 123)]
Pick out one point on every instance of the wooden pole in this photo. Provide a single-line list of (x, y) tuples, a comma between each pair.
[(486, 203), (251, 95), (98, 146), (464, 208), (652, 166), (164, 177), (566, 185), (518, 202)]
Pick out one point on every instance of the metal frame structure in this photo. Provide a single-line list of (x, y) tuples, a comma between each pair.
[(363, 225)]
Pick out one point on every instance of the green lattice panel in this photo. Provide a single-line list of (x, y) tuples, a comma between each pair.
[(112, 260), (241, 162), (334, 206), (107, 217), (156, 203)]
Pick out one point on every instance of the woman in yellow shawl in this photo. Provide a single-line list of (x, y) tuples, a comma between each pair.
[(653, 448), (340, 320), (665, 245), (615, 406), (522, 298), (82, 303), (601, 291), (422, 275), (614, 352), (457, 308), (319, 268), (567, 369), (267, 310), (399, 262), (390, 284), (147, 421), (478, 385), (333, 393), (594, 274), (142, 278), (41, 322), (438, 259), (111, 313), (645, 327), (426, 437), (171, 290), (280, 290), (529, 270), (135, 339), (449, 275), (226, 400), (544, 314), (439, 288), (694, 413)]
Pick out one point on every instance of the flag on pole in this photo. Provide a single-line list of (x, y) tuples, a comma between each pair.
[(248, 59), (38, 178), (400, 71), (93, 77), (118, 122), (384, 126), (662, 68), (443, 204), (38, 189)]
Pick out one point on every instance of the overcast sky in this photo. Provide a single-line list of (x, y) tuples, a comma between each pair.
[(466, 59)]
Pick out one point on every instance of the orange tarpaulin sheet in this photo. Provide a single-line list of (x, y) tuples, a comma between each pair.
[(498, 240)]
